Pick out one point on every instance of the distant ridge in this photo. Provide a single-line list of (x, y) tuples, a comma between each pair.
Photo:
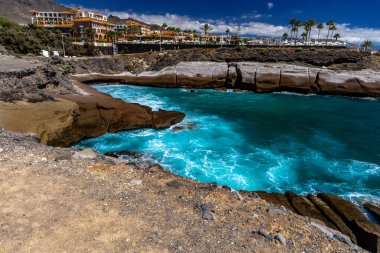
[(19, 10)]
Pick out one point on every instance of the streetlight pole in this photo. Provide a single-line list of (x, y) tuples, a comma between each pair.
[(63, 46), (160, 40)]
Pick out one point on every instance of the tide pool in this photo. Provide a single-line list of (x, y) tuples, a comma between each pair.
[(271, 142)]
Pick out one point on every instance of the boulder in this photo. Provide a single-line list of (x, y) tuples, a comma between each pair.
[(201, 74), (246, 76), (165, 119), (268, 78), (330, 214), (337, 83), (231, 76), (295, 79), (367, 234), (305, 207), (374, 209)]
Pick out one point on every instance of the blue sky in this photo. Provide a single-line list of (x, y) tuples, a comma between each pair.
[(356, 20)]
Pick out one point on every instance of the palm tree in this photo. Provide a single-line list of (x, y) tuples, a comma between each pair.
[(311, 23), (304, 36), (336, 36), (367, 45), (228, 31), (333, 29), (285, 36), (307, 28), (90, 34), (293, 23), (298, 25), (206, 28), (320, 27), (164, 26), (330, 24), (111, 35), (295, 31)]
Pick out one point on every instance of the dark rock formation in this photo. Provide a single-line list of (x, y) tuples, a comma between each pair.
[(374, 209), (32, 80), (275, 198), (367, 233), (305, 207), (330, 214), (165, 119), (336, 213)]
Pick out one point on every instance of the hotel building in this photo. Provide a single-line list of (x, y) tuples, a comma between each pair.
[(75, 22)]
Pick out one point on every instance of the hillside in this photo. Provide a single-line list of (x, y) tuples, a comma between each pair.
[(19, 10)]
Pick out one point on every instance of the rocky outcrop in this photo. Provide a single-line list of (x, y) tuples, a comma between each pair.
[(264, 77), (71, 118), (330, 214), (305, 207), (253, 76), (27, 80), (275, 198), (367, 233), (336, 213), (374, 209), (201, 74), (185, 74)]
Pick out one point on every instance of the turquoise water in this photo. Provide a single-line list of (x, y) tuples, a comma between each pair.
[(272, 142)]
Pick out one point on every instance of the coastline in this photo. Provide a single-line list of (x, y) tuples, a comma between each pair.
[(98, 202), (88, 113)]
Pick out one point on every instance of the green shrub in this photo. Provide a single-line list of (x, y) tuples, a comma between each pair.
[(298, 50), (124, 50), (241, 48), (264, 51), (312, 49), (4, 22), (31, 40)]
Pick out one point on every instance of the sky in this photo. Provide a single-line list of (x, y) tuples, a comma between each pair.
[(356, 20)]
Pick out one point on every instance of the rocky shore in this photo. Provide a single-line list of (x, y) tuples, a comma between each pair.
[(252, 76), (169, 214), (61, 111), (65, 199)]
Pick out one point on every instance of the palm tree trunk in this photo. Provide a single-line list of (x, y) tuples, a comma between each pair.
[(319, 33)]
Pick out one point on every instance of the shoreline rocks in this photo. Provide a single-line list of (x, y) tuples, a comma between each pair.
[(71, 118), (374, 209), (333, 212), (252, 76)]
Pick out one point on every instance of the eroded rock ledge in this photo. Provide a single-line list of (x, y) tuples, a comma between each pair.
[(72, 117), (253, 76), (334, 212)]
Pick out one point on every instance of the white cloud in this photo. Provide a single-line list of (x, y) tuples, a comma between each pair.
[(270, 5), (261, 29)]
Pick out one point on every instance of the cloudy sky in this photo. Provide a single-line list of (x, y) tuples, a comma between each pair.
[(356, 21)]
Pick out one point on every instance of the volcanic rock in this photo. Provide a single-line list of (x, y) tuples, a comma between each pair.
[(367, 234), (304, 207), (374, 209), (330, 214)]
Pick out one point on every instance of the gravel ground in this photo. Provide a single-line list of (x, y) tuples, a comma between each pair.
[(67, 200)]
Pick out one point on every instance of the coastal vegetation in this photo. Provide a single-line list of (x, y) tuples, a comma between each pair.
[(308, 27), (31, 40), (367, 45)]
